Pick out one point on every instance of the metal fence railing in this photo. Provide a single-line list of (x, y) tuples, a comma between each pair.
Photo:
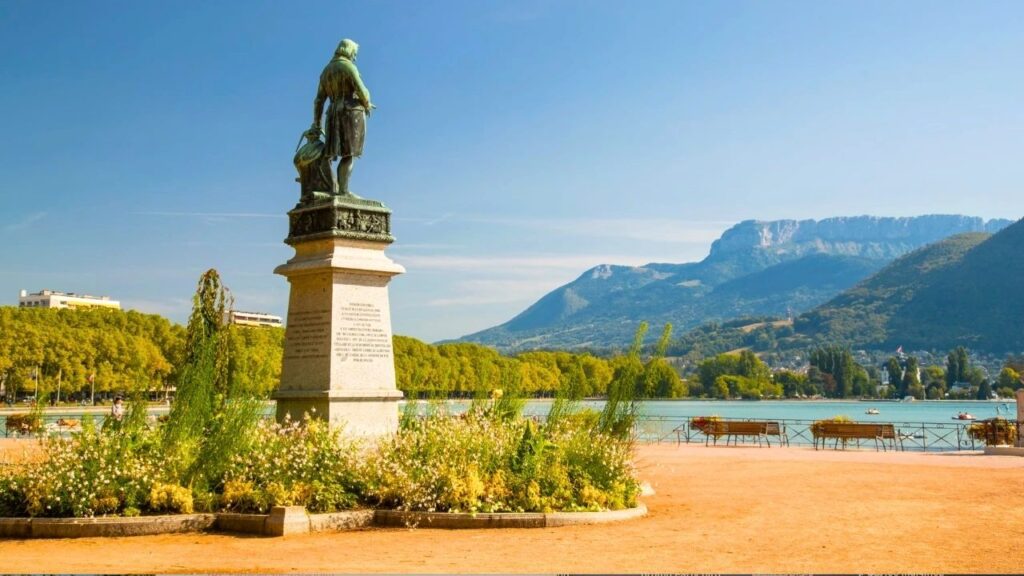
[(916, 436)]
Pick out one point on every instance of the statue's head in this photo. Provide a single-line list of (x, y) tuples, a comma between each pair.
[(347, 49)]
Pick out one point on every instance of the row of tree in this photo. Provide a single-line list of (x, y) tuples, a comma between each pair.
[(79, 353), (468, 370), (833, 373)]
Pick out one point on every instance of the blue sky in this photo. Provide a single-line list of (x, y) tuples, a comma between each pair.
[(517, 143)]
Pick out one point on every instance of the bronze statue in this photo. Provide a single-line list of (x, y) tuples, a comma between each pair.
[(314, 167), (346, 115), (327, 208)]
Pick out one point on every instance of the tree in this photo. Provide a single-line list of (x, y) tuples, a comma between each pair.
[(934, 382), (895, 372), (984, 390), (837, 362), (911, 385), (743, 374), (1009, 378), (793, 383), (957, 366)]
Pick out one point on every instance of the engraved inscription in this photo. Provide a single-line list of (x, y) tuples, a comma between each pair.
[(360, 335), (308, 335)]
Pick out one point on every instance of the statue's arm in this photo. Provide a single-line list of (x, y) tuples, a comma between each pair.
[(318, 105), (361, 92)]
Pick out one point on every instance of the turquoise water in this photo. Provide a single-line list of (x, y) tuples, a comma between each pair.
[(939, 412), (916, 412)]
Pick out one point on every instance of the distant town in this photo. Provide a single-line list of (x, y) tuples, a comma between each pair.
[(72, 300)]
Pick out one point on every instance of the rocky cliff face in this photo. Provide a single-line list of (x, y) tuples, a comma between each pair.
[(603, 306), (866, 236)]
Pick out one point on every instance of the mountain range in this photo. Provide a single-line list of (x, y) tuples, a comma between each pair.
[(756, 268)]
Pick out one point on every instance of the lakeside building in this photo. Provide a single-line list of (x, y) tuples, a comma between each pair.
[(55, 299), (241, 318)]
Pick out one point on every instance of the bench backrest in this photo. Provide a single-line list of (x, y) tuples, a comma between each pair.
[(741, 428), (744, 428), (857, 430)]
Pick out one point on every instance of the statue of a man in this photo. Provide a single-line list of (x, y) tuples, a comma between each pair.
[(346, 115)]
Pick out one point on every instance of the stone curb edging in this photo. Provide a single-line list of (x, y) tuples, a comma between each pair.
[(458, 521), (1004, 451), (103, 527), (285, 520)]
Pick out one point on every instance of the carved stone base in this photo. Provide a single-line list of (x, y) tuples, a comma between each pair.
[(339, 216), (338, 356)]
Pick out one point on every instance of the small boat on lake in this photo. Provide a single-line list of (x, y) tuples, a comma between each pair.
[(871, 411), (964, 416)]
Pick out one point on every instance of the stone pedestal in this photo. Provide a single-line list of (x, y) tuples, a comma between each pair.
[(338, 356)]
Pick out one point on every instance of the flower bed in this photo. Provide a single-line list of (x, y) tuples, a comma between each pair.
[(478, 462), (817, 427), (705, 423), (483, 462), (994, 432)]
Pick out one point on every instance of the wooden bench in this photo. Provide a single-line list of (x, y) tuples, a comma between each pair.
[(21, 424), (714, 429), (846, 431)]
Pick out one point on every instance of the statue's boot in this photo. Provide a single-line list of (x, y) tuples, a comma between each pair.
[(345, 167)]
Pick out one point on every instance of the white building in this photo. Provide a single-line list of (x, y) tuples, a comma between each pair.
[(253, 319), (54, 299)]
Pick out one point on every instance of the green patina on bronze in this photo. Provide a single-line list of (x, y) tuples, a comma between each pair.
[(327, 208), (340, 217)]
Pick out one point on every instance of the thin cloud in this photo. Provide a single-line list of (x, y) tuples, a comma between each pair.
[(212, 214), (650, 229), (578, 262), (490, 292), (25, 222), (474, 300), (426, 221), (663, 230)]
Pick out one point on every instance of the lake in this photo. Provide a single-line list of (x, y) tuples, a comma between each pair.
[(934, 411)]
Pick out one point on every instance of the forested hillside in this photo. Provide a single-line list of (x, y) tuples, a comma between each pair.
[(862, 314)]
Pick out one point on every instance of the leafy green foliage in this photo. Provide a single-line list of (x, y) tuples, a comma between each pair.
[(482, 463), (94, 473), (125, 350), (300, 463), (837, 362), (741, 375), (210, 420)]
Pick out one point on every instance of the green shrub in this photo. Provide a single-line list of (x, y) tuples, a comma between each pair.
[(299, 463), (170, 498), (91, 474), (485, 461)]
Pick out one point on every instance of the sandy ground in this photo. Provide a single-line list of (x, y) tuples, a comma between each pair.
[(715, 510)]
